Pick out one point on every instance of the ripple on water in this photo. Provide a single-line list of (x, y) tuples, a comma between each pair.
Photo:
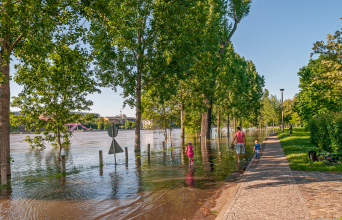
[(137, 190)]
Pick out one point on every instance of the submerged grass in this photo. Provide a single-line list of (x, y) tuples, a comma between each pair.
[(50, 175), (296, 148)]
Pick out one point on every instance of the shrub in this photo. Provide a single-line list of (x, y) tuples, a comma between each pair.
[(326, 132)]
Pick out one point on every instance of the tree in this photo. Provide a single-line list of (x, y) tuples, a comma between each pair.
[(162, 114), (321, 80), (106, 125), (26, 27), (276, 106), (53, 87), (330, 75), (129, 124), (235, 10), (315, 98), (130, 40)]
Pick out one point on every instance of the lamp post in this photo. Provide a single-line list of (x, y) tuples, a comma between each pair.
[(282, 109)]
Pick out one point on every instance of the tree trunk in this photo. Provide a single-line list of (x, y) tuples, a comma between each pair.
[(206, 123), (228, 125), (209, 119), (5, 108), (218, 123), (182, 121), (138, 115), (59, 144)]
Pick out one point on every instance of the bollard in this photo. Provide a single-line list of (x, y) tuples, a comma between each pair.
[(63, 165), (126, 155), (101, 158), (148, 154), (101, 161), (4, 174)]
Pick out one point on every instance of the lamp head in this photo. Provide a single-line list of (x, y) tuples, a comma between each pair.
[(282, 89)]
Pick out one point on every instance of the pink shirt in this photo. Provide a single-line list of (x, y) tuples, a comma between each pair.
[(240, 135)]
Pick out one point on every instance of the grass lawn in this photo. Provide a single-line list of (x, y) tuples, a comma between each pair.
[(296, 148)]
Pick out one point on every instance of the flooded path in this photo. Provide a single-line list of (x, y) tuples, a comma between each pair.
[(165, 189)]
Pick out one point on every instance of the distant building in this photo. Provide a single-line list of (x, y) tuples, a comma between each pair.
[(87, 113), (122, 118), (43, 117), (17, 113)]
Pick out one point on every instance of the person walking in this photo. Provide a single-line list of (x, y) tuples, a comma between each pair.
[(257, 149), (190, 153), (240, 143), (290, 129)]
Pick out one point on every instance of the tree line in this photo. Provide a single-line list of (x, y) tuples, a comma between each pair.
[(172, 59)]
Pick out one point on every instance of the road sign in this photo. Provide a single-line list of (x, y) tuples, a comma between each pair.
[(112, 131), (115, 148)]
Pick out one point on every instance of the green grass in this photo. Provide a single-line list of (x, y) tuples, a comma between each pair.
[(51, 175), (5, 186), (296, 148)]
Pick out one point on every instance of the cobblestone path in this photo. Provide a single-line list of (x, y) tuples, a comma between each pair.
[(268, 189), (322, 192)]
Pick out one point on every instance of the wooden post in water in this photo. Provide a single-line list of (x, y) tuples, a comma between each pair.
[(101, 160), (4, 174), (148, 154), (63, 165), (126, 155)]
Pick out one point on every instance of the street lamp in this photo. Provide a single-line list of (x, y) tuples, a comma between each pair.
[(282, 108)]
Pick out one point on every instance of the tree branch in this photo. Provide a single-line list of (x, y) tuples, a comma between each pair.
[(151, 80), (15, 43)]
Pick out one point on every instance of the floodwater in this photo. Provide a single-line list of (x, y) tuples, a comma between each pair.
[(166, 189)]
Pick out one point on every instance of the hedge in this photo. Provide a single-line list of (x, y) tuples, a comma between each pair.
[(326, 132)]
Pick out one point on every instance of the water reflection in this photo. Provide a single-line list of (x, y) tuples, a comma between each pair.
[(190, 179), (138, 189)]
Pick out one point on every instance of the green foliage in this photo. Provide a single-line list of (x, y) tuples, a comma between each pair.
[(106, 125), (296, 148), (326, 132), (13, 125), (53, 87), (321, 80), (162, 115), (129, 124), (100, 125), (313, 98)]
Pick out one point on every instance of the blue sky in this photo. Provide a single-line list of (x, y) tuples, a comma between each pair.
[(277, 35)]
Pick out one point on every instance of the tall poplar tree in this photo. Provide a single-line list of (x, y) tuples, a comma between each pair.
[(134, 42), (231, 14), (25, 28)]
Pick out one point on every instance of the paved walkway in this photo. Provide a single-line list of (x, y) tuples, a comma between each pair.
[(268, 189)]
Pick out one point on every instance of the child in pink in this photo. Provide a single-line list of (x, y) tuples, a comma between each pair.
[(190, 152)]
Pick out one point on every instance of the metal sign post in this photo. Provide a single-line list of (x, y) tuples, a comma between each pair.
[(113, 141), (114, 147)]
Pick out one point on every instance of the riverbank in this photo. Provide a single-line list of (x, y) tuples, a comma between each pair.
[(219, 200), (296, 148), (215, 203)]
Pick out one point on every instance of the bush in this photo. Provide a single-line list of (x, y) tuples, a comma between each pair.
[(326, 132)]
